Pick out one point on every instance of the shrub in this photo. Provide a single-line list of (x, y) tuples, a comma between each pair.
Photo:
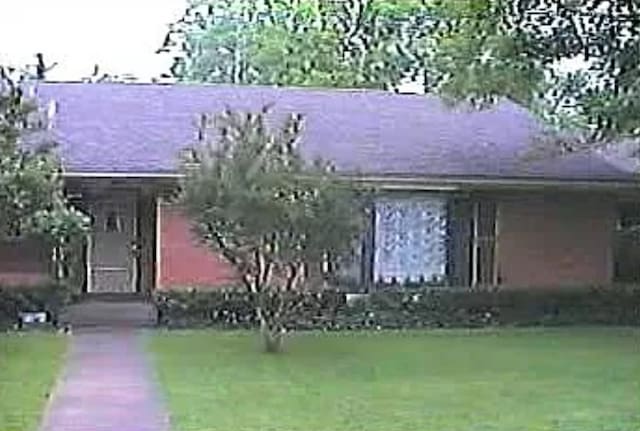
[(235, 308), (48, 297), (410, 308)]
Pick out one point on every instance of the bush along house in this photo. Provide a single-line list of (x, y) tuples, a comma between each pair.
[(460, 202)]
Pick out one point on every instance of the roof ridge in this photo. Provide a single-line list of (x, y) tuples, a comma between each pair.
[(183, 84)]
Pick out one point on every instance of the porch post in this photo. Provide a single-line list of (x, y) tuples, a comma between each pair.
[(89, 246), (496, 242), (368, 250), (158, 243), (475, 244)]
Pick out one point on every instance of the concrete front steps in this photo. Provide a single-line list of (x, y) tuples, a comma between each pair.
[(110, 311)]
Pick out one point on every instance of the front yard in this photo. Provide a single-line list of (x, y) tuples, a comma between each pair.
[(494, 380), (29, 365)]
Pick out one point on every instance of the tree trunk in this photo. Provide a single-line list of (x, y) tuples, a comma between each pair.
[(271, 331), (273, 340)]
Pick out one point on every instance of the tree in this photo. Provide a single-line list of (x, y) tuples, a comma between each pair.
[(569, 60), (32, 198), (575, 63), (356, 43), (279, 220)]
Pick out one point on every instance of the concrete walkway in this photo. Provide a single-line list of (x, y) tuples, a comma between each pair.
[(107, 385)]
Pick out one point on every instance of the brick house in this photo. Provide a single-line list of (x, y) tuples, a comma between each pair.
[(459, 201)]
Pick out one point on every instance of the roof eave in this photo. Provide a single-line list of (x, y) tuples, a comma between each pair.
[(122, 175), (487, 183), (418, 183)]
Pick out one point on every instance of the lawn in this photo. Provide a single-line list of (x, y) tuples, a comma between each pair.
[(530, 380), (29, 365)]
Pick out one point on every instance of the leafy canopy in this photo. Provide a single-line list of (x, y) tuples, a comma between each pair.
[(277, 218), (357, 43), (575, 61), (251, 192), (32, 198)]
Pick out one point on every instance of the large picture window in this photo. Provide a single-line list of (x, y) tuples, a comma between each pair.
[(410, 240), (427, 239)]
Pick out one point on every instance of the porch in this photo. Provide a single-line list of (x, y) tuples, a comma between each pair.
[(140, 242), (120, 254)]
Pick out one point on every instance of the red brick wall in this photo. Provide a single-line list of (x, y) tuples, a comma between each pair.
[(23, 262), (543, 240), (185, 263), (555, 240)]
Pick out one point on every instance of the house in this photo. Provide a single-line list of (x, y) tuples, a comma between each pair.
[(460, 202)]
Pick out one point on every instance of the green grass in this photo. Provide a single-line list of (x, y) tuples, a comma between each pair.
[(554, 379), (29, 365)]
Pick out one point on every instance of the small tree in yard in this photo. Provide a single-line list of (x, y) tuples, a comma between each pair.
[(32, 198), (279, 220)]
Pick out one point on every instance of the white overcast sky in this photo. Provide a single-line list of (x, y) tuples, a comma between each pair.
[(119, 35)]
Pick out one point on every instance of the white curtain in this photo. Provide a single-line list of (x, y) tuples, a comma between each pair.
[(410, 239)]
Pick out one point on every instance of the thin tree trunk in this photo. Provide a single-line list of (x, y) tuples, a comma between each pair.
[(272, 336), (271, 332), (271, 329)]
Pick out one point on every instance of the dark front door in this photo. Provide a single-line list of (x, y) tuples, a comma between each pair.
[(112, 259)]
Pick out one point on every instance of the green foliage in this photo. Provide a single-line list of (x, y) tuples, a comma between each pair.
[(466, 50), (251, 190), (278, 219), (32, 198), (61, 221), (285, 59), (409, 308), (524, 50), (234, 308), (363, 44), (50, 297)]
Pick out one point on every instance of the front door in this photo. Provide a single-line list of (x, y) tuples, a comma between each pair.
[(112, 258)]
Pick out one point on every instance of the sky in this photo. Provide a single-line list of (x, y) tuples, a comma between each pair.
[(121, 36)]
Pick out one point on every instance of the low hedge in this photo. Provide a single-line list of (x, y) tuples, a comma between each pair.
[(50, 298), (410, 308), (235, 309)]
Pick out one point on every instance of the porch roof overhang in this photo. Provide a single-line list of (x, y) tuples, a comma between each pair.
[(402, 182), (123, 175), (100, 184), (471, 183)]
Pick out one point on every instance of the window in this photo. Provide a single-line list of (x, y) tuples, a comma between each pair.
[(484, 238), (410, 240), (472, 242), (430, 239), (112, 222), (627, 244)]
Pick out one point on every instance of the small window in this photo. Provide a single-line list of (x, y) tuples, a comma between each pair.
[(627, 244), (484, 243), (112, 222)]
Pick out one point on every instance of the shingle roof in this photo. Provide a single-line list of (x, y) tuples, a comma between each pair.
[(141, 128)]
